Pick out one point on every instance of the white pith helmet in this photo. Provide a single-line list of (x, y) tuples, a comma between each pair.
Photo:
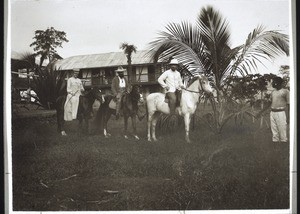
[(174, 62)]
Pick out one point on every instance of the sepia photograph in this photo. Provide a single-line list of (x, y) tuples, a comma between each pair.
[(162, 106)]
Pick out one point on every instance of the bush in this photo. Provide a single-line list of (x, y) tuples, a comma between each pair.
[(49, 84)]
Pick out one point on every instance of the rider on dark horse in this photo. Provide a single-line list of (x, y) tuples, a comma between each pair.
[(171, 81), (119, 87)]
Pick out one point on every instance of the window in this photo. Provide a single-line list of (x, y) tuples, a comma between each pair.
[(86, 77), (142, 74)]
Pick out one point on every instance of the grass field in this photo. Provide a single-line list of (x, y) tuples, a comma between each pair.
[(238, 169)]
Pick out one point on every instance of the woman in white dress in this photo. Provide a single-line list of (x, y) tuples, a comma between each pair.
[(74, 89)]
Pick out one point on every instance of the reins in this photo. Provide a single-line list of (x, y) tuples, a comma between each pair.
[(199, 92)]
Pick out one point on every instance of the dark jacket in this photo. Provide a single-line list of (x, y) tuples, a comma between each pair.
[(115, 85)]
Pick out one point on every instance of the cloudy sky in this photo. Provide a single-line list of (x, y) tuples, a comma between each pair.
[(99, 26)]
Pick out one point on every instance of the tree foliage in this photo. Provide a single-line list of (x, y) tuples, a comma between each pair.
[(205, 48), (128, 50), (47, 41)]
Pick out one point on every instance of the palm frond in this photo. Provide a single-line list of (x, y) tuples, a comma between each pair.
[(260, 45), (180, 41), (29, 59), (49, 85), (216, 37)]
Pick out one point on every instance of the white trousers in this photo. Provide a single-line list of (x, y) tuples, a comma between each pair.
[(71, 107), (278, 126)]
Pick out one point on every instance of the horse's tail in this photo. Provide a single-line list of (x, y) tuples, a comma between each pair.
[(59, 103), (59, 106), (147, 111), (99, 120)]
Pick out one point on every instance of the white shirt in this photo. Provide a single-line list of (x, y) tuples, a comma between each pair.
[(172, 79), (74, 86), (122, 83)]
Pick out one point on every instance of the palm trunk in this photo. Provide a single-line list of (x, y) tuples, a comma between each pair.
[(129, 72), (262, 107)]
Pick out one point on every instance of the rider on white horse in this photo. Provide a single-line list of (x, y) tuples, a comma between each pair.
[(171, 81)]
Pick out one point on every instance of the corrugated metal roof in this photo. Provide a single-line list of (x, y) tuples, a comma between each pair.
[(102, 60)]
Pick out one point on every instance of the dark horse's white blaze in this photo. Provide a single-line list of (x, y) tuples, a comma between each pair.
[(188, 105)]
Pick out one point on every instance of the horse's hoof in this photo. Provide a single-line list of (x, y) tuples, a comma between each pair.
[(154, 139), (188, 141), (136, 137), (149, 140), (106, 136), (63, 133), (125, 136)]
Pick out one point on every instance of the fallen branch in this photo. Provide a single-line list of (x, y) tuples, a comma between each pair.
[(99, 202), (111, 191), (44, 185), (68, 177), (212, 155)]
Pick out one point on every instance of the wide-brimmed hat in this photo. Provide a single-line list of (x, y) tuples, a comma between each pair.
[(174, 62), (75, 70), (120, 69)]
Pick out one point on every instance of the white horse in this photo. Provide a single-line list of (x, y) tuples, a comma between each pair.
[(189, 100)]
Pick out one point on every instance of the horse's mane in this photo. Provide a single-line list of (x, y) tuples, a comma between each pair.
[(193, 79)]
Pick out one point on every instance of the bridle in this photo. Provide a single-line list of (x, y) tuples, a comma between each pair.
[(133, 95), (199, 92)]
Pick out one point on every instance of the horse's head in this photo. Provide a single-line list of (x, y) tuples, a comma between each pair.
[(204, 84), (136, 93), (97, 93)]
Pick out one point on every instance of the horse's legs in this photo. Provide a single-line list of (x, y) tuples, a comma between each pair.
[(125, 125), (133, 121), (60, 123), (153, 124), (86, 125), (80, 119), (105, 122), (150, 115), (187, 120)]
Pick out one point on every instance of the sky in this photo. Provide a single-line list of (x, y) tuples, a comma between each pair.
[(100, 26)]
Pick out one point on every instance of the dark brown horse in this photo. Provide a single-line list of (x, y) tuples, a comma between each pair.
[(129, 108), (84, 112)]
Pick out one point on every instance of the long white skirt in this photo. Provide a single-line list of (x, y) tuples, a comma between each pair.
[(71, 107)]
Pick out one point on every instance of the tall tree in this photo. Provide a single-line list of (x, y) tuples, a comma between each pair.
[(128, 50), (205, 47), (46, 42)]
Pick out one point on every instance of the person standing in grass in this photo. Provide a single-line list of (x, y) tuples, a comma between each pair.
[(74, 89), (280, 100)]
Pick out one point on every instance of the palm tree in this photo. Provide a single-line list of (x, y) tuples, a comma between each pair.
[(128, 49), (205, 47)]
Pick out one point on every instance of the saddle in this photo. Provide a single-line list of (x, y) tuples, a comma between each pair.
[(113, 104), (178, 98)]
